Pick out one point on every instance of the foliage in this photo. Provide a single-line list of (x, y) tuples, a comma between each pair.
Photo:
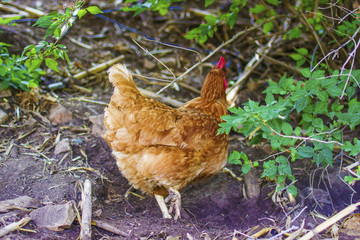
[(24, 71), (56, 24), (14, 74)]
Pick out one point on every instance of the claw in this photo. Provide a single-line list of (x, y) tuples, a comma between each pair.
[(175, 198), (162, 205)]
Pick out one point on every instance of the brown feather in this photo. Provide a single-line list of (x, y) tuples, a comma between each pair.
[(157, 147)]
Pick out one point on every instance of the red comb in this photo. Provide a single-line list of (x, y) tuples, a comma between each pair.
[(221, 63)]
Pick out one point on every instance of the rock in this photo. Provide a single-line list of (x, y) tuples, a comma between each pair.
[(149, 64), (62, 146), (169, 62), (98, 126), (54, 217), (60, 115), (252, 185), (3, 117), (5, 93), (19, 202)]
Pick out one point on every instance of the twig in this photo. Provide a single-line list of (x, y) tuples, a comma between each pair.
[(88, 101), (302, 210), (217, 49), (337, 217), (13, 10), (304, 138), (174, 46), (86, 210), (99, 67), (165, 100), (30, 10), (147, 51), (109, 228), (232, 95), (283, 232), (273, 60), (14, 226)]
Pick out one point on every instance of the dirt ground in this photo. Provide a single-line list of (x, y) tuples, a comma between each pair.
[(213, 209)]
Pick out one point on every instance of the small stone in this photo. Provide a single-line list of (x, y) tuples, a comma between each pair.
[(169, 62), (60, 115), (62, 146), (98, 126), (19, 202), (3, 117), (149, 64), (5, 93), (54, 217)]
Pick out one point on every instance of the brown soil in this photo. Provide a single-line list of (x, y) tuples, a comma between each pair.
[(213, 209)]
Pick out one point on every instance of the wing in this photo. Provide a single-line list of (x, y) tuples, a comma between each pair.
[(142, 121)]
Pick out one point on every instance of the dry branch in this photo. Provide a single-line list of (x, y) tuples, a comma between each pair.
[(99, 67), (14, 226), (109, 228), (232, 95), (237, 35), (337, 217), (86, 210), (165, 100), (32, 11)]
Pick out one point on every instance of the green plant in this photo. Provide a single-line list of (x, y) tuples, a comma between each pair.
[(14, 74), (23, 72), (302, 119), (56, 25), (207, 30)]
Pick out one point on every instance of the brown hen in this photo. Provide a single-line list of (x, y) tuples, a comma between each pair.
[(160, 149)]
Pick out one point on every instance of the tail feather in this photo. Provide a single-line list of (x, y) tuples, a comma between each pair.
[(121, 77)]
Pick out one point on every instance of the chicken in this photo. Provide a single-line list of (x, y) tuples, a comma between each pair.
[(160, 149)]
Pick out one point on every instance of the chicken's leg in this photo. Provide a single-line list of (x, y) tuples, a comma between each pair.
[(175, 198), (162, 205)]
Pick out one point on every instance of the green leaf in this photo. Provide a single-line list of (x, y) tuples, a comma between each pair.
[(354, 149), (94, 10), (208, 3), (321, 107), (324, 157), (52, 64), (286, 128), (306, 72), (268, 27), (3, 70), (273, 2), (45, 21), (246, 167), (81, 13), (284, 167), (302, 51), (210, 19), (300, 104), (294, 33), (318, 123), (259, 8), (35, 64), (296, 56), (297, 131), (270, 169), (292, 190), (234, 157), (305, 152), (286, 82)]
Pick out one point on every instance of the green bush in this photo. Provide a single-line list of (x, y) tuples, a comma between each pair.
[(15, 74)]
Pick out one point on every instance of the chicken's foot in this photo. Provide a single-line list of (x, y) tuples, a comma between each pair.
[(175, 198), (163, 207)]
